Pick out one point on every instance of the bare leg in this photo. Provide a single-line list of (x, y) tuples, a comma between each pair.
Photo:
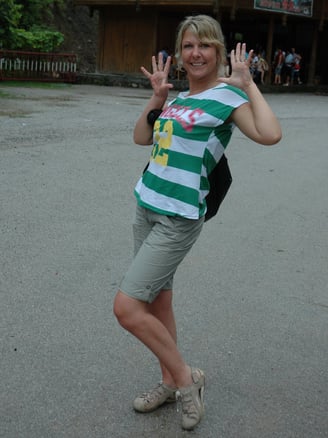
[(162, 309), (135, 316)]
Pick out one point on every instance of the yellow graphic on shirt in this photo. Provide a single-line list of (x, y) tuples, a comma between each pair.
[(163, 140)]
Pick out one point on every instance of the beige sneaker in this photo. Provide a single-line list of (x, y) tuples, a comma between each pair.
[(152, 399), (192, 400)]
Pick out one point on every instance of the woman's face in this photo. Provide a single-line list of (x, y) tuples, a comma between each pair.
[(200, 60)]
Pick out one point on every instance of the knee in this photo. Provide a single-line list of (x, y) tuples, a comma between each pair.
[(123, 311), (119, 309)]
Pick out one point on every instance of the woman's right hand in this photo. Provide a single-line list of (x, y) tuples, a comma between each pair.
[(159, 78)]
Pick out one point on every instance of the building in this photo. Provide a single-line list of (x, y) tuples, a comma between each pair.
[(131, 31)]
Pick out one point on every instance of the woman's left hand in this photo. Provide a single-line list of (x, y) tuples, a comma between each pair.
[(240, 74)]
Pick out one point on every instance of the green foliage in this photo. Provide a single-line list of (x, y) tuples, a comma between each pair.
[(36, 12), (22, 25), (38, 39), (10, 15)]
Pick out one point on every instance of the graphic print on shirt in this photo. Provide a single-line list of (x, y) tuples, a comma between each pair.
[(163, 141), (184, 115), (163, 130)]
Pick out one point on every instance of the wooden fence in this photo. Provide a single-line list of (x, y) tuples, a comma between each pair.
[(34, 66)]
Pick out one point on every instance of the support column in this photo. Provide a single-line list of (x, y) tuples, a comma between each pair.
[(313, 57), (269, 48)]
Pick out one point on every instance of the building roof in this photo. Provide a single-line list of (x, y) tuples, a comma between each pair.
[(319, 7)]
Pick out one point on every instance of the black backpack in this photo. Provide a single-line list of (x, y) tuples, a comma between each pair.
[(220, 180)]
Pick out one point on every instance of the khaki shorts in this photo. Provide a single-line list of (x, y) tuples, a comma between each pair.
[(160, 244)]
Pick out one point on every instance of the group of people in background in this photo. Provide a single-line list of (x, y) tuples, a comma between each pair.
[(286, 67)]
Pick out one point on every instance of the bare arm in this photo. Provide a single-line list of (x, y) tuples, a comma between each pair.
[(255, 118), (143, 132)]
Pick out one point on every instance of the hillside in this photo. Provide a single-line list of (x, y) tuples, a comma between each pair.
[(80, 30)]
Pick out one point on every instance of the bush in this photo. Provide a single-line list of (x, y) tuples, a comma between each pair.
[(38, 39)]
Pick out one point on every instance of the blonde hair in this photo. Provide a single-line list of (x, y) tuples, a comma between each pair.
[(209, 31)]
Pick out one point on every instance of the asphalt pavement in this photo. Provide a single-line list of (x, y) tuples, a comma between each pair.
[(251, 299)]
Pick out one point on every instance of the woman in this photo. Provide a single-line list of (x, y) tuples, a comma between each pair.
[(188, 139)]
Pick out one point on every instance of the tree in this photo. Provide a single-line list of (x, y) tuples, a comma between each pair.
[(10, 15), (37, 12), (22, 25)]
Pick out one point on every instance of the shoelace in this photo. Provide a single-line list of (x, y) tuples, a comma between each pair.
[(187, 405)]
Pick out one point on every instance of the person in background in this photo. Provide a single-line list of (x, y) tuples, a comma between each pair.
[(296, 69), (262, 68), (288, 66), (188, 139), (278, 65), (164, 53), (253, 66)]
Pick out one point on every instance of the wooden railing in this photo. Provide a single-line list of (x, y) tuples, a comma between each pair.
[(35, 66)]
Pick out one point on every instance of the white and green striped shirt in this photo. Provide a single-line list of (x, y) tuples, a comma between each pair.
[(190, 137)]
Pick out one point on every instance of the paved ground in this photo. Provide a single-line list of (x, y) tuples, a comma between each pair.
[(251, 298)]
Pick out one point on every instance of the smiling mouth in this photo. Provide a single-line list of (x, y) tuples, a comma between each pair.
[(197, 64)]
